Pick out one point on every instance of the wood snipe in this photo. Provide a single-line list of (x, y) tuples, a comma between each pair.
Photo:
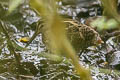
[(82, 36)]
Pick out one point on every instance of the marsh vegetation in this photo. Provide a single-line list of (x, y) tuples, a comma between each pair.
[(59, 40)]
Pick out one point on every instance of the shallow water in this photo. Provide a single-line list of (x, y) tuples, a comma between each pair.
[(40, 67)]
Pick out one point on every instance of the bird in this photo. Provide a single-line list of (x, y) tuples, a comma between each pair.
[(79, 35), (82, 36)]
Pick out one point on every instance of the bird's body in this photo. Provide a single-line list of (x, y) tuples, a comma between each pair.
[(80, 36)]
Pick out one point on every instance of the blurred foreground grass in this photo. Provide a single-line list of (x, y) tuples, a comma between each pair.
[(59, 44), (56, 34)]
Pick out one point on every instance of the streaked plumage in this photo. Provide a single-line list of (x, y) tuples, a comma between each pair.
[(82, 36)]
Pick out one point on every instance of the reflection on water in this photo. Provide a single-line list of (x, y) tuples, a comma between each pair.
[(22, 23)]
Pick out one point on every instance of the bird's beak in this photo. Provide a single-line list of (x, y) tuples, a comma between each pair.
[(100, 41)]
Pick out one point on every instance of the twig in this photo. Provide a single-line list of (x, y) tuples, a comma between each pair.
[(10, 45)]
